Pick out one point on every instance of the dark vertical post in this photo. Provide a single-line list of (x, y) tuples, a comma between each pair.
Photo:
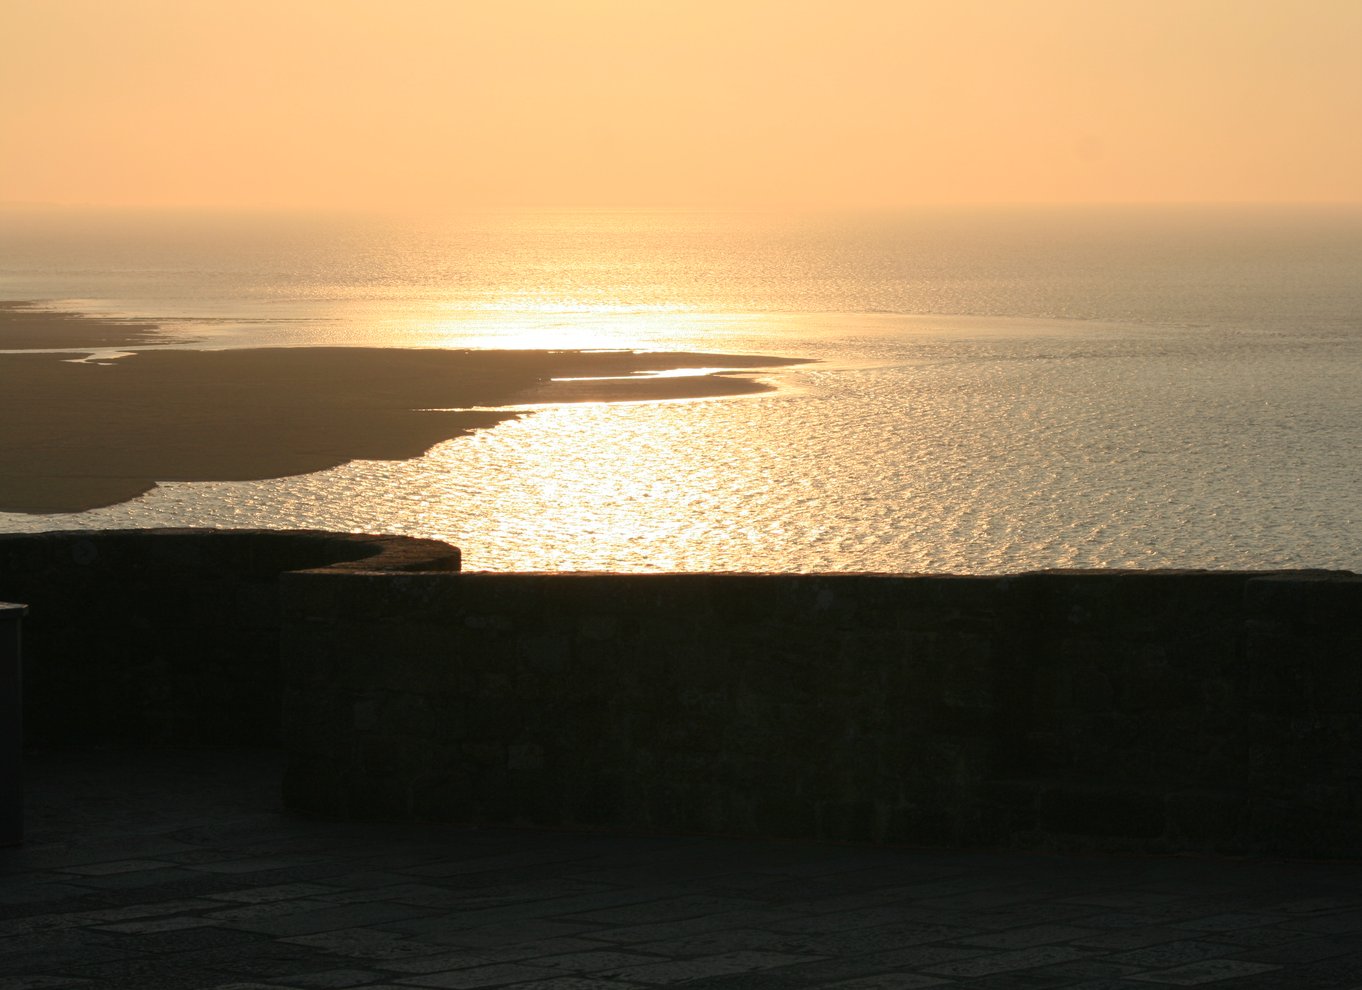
[(11, 727)]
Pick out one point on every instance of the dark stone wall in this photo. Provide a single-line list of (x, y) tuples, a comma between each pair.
[(1130, 710), (167, 637), (1147, 711), (1210, 711)]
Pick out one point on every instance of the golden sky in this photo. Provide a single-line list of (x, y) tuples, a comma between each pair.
[(861, 103)]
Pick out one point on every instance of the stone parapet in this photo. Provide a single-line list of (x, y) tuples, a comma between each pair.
[(1151, 711), (169, 636), (1118, 710)]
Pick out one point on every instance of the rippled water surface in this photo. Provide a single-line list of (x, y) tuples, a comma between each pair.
[(991, 392)]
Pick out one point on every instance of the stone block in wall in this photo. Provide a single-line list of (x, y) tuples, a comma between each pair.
[(1319, 604), (316, 783), (1101, 811), (1009, 813), (1211, 818), (1120, 668), (1127, 622)]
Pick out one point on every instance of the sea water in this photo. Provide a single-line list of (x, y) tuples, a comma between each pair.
[(991, 390)]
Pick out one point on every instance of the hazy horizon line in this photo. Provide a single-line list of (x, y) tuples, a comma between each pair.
[(718, 207)]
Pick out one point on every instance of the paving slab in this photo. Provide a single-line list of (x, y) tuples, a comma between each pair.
[(181, 871)]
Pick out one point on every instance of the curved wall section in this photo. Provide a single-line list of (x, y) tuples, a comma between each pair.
[(168, 637)]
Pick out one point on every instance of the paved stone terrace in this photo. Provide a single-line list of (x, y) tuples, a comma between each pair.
[(180, 871)]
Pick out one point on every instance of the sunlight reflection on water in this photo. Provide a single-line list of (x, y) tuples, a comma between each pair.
[(1068, 445), (1131, 387)]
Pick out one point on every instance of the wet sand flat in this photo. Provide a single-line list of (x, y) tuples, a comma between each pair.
[(25, 328), (79, 436)]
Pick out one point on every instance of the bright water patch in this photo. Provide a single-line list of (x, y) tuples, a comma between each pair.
[(974, 446), (1137, 387)]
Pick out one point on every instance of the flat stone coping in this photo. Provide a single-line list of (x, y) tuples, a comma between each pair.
[(179, 870), (369, 552)]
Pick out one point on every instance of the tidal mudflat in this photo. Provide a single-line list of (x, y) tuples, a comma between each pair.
[(85, 434)]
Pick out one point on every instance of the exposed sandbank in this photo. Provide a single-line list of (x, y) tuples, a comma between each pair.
[(23, 328), (80, 436)]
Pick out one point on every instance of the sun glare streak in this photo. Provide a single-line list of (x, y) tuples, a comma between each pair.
[(592, 328)]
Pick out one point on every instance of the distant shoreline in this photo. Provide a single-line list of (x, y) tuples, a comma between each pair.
[(24, 327), (82, 436)]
